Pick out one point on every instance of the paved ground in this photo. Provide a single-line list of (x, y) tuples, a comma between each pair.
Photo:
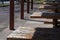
[(4, 15)]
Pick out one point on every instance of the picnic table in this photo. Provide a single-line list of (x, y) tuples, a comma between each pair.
[(55, 16), (49, 7), (22, 33)]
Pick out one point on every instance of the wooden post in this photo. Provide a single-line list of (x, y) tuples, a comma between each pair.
[(22, 9), (11, 14), (28, 6), (32, 4)]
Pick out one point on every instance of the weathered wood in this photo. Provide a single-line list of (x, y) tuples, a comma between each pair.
[(22, 33), (45, 15), (49, 7), (11, 15), (47, 22), (22, 9), (54, 16), (53, 3), (43, 6)]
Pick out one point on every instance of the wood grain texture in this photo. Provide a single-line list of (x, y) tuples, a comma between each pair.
[(22, 33), (45, 15)]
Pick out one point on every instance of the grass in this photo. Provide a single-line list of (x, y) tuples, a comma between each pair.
[(3, 5)]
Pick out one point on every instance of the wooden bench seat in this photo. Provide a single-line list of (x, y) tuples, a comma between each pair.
[(43, 6), (54, 16), (48, 7), (22, 33), (51, 3), (47, 22), (45, 15)]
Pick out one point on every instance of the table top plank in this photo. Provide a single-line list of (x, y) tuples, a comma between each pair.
[(45, 15), (49, 7), (22, 33)]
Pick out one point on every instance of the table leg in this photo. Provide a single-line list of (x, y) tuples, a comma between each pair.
[(55, 22)]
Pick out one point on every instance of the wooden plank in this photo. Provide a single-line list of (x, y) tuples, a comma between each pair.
[(22, 33), (45, 15), (49, 7), (42, 6), (47, 22), (52, 3), (46, 7)]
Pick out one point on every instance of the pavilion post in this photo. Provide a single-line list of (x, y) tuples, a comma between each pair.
[(22, 9), (32, 4), (28, 6), (11, 15)]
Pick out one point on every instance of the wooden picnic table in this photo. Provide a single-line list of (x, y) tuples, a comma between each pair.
[(53, 3), (49, 7), (45, 15), (54, 16), (22, 33)]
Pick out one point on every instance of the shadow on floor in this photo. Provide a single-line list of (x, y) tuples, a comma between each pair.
[(47, 34)]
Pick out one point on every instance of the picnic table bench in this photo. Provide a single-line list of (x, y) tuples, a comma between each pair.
[(22, 33), (45, 15), (54, 16), (49, 7), (52, 2)]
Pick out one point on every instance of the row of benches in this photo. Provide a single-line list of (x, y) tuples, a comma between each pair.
[(55, 15)]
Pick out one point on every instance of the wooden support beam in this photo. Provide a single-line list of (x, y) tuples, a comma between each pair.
[(45, 15), (32, 4), (47, 22), (11, 15), (28, 6), (22, 9)]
